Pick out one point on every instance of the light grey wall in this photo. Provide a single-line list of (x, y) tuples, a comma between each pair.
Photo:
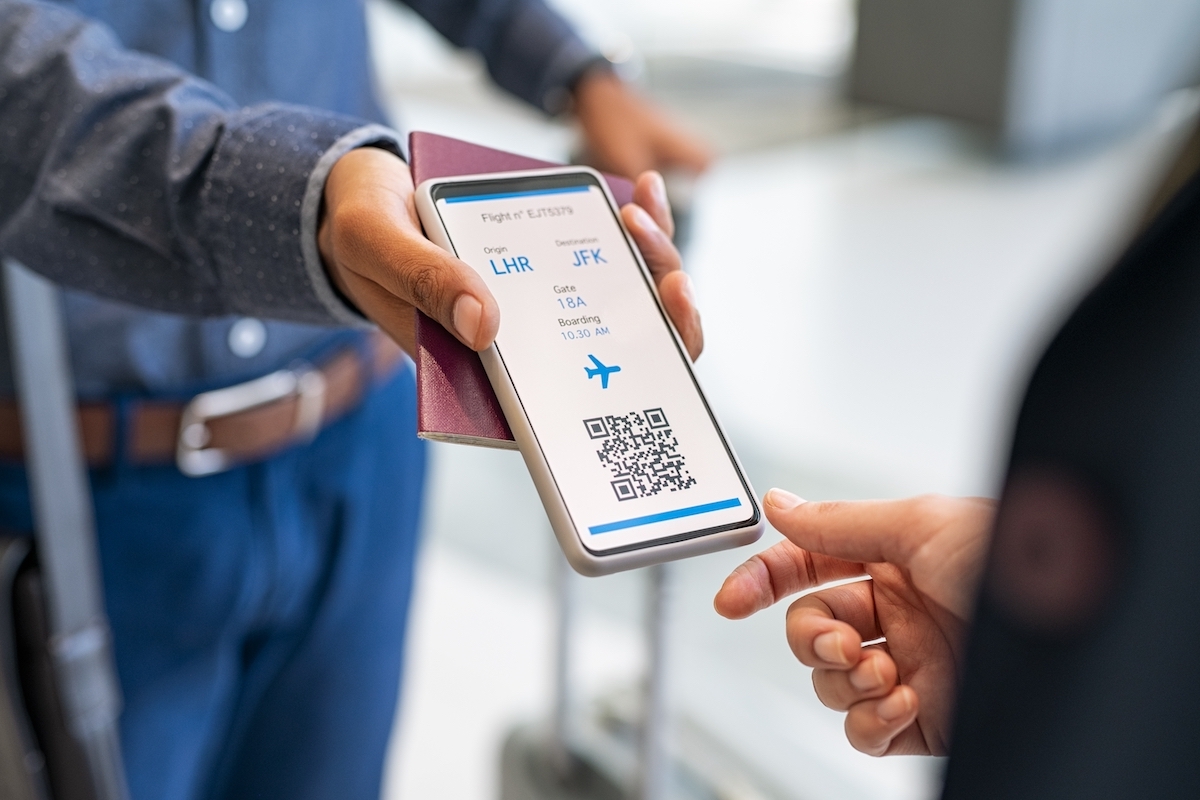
[(1083, 69), (1043, 75)]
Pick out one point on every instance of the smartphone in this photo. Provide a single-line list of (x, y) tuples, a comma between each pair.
[(625, 451)]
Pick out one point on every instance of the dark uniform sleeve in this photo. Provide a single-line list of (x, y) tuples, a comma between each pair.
[(123, 176), (530, 49), (1080, 676)]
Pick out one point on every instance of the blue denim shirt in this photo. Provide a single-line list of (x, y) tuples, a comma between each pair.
[(173, 207)]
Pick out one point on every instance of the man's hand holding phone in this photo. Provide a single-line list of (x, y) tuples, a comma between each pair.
[(375, 253), (595, 382)]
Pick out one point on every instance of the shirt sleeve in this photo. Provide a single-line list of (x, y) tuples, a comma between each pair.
[(529, 48), (123, 176)]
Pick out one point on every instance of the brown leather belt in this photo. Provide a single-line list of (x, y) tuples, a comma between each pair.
[(223, 428)]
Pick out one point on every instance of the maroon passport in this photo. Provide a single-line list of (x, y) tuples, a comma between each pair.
[(455, 402)]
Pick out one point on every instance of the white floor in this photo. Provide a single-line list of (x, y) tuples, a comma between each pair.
[(480, 661), (872, 300)]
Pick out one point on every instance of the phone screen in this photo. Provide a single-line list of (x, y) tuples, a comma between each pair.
[(629, 439)]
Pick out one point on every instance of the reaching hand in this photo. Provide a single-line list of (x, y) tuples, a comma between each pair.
[(625, 134), (375, 253), (924, 556)]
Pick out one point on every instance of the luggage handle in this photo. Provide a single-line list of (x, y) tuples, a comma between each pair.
[(65, 526)]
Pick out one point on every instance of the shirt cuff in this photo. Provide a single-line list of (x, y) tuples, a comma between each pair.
[(261, 203), (310, 217)]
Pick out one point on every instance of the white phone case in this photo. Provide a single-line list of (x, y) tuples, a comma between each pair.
[(584, 561)]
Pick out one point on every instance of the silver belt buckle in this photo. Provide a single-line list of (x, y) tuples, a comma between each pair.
[(195, 458)]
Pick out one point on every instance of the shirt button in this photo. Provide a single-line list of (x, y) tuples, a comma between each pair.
[(247, 337), (229, 15)]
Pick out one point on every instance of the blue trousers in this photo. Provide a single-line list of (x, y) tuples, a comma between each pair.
[(258, 615)]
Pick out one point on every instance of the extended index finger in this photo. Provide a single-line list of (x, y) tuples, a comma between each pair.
[(867, 531)]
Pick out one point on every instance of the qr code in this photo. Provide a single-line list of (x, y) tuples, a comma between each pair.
[(641, 452)]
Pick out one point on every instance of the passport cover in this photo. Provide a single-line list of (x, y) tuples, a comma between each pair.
[(455, 401)]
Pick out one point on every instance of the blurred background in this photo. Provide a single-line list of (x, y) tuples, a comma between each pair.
[(910, 195)]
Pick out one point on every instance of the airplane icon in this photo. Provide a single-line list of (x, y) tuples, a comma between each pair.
[(602, 371)]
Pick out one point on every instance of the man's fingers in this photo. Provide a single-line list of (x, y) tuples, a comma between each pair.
[(781, 570), (656, 246), (378, 244), (873, 726), (674, 285), (650, 192), (449, 291), (688, 154), (370, 230), (395, 317), (675, 289), (675, 148), (873, 677)]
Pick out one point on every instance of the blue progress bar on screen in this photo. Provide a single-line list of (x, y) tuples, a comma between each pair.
[(649, 519), (471, 198)]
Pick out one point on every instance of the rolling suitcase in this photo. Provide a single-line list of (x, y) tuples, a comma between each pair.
[(59, 697)]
